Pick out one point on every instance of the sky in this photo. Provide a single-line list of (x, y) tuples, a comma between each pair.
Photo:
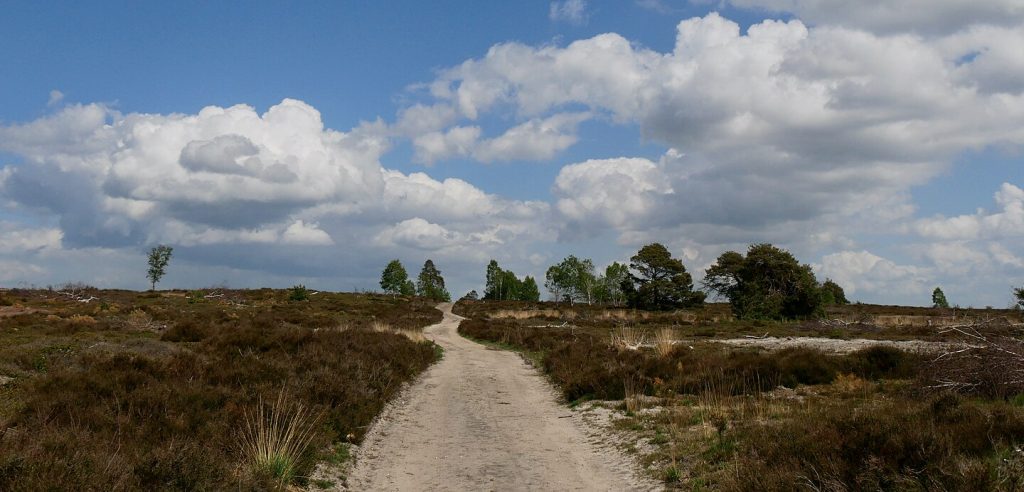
[(273, 143)]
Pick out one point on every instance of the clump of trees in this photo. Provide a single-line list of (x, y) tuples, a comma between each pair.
[(159, 257), (767, 283), (430, 283), (574, 280), (660, 282), (504, 285), (395, 280), (832, 294)]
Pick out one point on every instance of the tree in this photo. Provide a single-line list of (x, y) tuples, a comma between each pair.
[(767, 283), (832, 294), (611, 283), (501, 285), (1019, 294), (528, 290), (159, 257), (661, 281), (572, 280), (394, 279), (430, 283), (939, 298), (471, 296)]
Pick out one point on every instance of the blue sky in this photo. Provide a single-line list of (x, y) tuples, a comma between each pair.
[(880, 144)]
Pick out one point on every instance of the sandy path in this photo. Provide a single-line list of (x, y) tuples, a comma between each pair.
[(483, 420)]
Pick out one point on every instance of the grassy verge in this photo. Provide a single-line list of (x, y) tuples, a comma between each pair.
[(174, 389)]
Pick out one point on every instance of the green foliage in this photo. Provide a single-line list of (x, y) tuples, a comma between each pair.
[(769, 283), (394, 279), (504, 285), (298, 293), (611, 284), (661, 282), (529, 290), (430, 283), (832, 294), (159, 257), (1018, 294), (939, 298), (572, 280), (470, 296)]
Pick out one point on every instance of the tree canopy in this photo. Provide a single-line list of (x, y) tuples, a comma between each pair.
[(504, 285), (430, 283), (159, 257), (939, 298), (395, 280), (767, 283), (1018, 294), (660, 282), (572, 280), (832, 294)]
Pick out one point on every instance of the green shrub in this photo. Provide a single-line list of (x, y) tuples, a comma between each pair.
[(298, 293)]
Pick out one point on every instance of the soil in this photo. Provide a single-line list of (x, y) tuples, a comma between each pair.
[(483, 419)]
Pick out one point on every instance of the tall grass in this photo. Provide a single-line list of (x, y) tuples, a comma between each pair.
[(629, 337), (276, 437), (664, 341)]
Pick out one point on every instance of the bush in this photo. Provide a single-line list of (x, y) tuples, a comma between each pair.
[(298, 293)]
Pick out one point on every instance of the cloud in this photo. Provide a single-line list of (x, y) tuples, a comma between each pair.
[(866, 273), (571, 11), (55, 98), (782, 124), (897, 16), (1008, 222), (272, 193), (536, 140)]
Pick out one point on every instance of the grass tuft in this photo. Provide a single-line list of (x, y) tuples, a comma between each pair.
[(276, 438)]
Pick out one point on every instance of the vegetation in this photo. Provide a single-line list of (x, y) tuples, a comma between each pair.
[(394, 280), (298, 293), (572, 280), (832, 294), (1018, 294), (706, 416), (159, 257), (939, 298), (152, 392), (430, 283), (661, 282), (767, 283), (503, 285)]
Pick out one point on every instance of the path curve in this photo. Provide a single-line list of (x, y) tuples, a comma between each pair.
[(482, 419)]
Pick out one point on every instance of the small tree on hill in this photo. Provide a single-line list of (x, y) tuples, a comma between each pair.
[(661, 281), (395, 280), (430, 283), (1018, 293), (939, 298), (159, 257)]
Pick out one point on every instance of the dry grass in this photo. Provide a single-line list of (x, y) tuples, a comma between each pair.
[(380, 327), (664, 341), (628, 337), (413, 335), (276, 438), (634, 392)]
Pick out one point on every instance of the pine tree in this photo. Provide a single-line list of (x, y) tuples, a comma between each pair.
[(430, 283)]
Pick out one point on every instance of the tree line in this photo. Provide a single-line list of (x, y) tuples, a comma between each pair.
[(395, 280), (765, 283)]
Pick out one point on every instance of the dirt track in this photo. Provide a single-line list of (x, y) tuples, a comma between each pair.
[(483, 420)]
